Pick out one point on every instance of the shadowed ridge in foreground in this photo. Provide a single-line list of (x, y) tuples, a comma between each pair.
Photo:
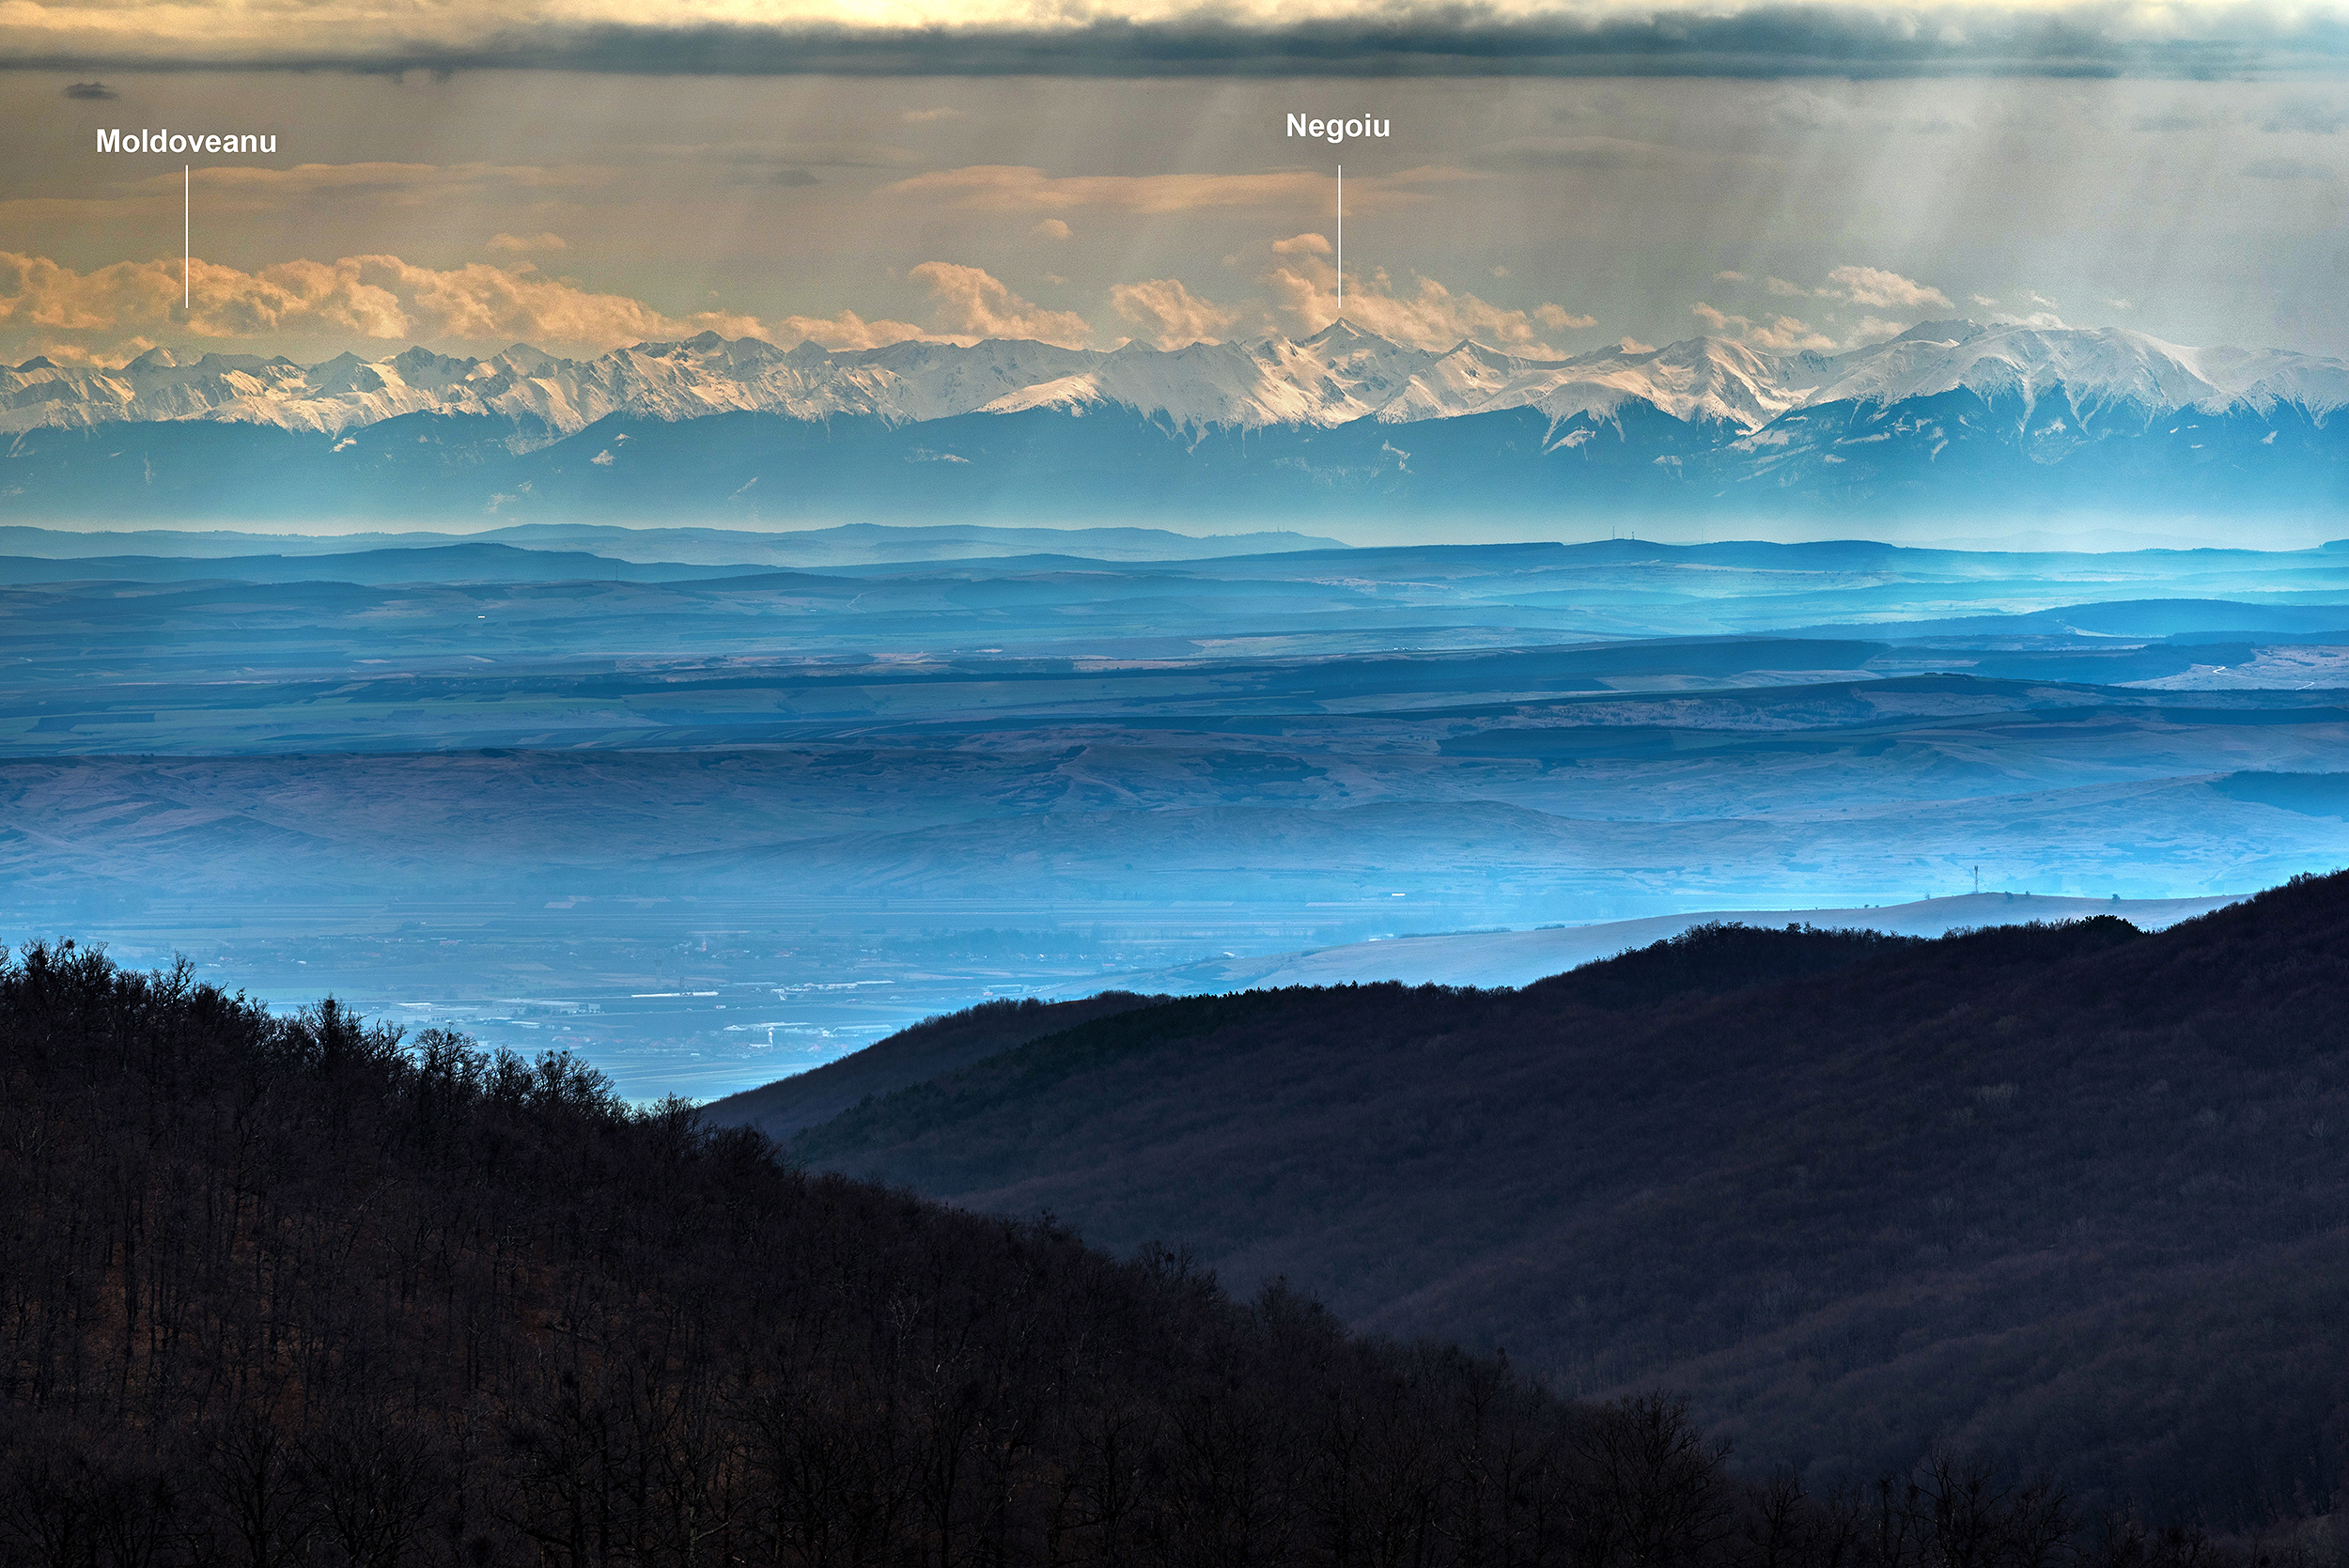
[(934, 1045), (2071, 1191), (300, 1291)]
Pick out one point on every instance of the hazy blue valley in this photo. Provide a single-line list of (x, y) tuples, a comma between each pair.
[(711, 821)]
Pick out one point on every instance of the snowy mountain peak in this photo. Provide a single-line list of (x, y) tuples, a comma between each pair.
[(1338, 375), (2086, 365)]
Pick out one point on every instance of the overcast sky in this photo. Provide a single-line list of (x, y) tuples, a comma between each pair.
[(549, 196)]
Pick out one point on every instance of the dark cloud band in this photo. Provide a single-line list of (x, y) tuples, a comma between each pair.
[(1772, 41)]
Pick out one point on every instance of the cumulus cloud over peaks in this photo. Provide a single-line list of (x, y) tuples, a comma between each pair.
[(1877, 288), (967, 303), (1777, 335), (1170, 315), (847, 329), (1869, 287), (1743, 38), (112, 313), (368, 297), (1302, 287), (118, 310)]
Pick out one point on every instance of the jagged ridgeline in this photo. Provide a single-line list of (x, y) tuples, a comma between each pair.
[(1950, 419), (298, 1291)]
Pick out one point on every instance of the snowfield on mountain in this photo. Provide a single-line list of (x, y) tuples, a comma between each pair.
[(1340, 375), (1948, 417)]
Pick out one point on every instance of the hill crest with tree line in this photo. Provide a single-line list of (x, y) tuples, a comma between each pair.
[(2070, 1194)]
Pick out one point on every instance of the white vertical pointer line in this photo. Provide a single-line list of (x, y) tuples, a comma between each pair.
[(1341, 241), (187, 232)]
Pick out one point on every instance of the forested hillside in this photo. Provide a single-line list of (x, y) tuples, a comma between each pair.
[(287, 1292), (791, 1104), (284, 1293), (2071, 1195)]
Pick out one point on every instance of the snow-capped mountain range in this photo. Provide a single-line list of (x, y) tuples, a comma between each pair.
[(1334, 377), (1335, 417)]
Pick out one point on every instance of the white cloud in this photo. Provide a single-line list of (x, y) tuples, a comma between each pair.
[(1778, 334), (1633, 346), (967, 303), (1304, 300), (1729, 277), (847, 329), (375, 297), (1051, 228), (1432, 316), (65, 351), (1171, 315), (1875, 287), (1784, 289), (106, 314)]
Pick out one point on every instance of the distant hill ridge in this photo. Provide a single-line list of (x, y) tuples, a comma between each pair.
[(1522, 957), (1849, 1191), (846, 544)]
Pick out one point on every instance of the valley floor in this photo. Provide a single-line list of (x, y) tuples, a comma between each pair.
[(710, 828)]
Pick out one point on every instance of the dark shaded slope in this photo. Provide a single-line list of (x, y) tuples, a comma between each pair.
[(2074, 1194), (934, 1045), (284, 1293)]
